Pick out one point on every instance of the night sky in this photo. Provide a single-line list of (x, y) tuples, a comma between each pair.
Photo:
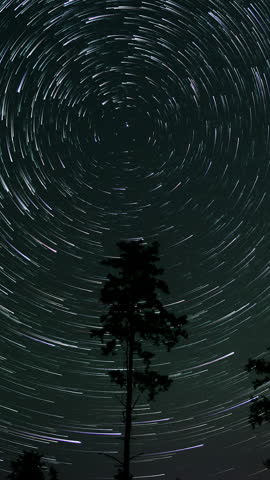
[(123, 119)]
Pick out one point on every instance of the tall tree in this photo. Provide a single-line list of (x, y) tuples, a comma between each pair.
[(260, 406), (135, 319), (28, 466)]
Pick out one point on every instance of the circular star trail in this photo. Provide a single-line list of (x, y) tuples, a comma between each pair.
[(122, 120)]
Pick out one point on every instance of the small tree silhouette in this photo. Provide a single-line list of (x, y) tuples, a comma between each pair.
[(260, 406), (28, 466), (136, 316)]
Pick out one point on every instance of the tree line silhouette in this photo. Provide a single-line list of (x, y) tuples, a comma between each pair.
[(30, 466), (136, 317)]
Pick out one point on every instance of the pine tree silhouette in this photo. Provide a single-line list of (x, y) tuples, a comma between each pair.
[(136, 317), (28, 466), (260, 406)]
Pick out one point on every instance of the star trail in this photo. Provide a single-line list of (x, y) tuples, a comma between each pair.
[(130, 119)]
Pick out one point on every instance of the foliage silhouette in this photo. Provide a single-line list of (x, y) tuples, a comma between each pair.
[(260, 406), (53, 474), (136, 318), (28, 466)]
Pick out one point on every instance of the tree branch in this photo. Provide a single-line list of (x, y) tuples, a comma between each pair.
[(134, 456), (136, 401), (111, 456)]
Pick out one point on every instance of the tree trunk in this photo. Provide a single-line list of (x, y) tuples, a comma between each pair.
[(128, 411)]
